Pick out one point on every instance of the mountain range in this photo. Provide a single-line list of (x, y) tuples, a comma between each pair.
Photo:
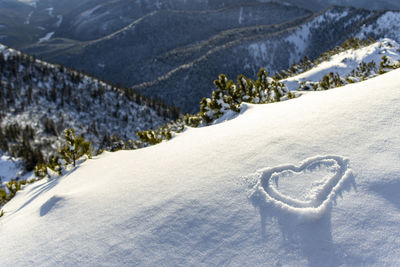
[(123, 42)]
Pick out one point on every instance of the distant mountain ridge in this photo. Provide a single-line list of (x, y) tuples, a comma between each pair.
[(309, 36), (174, 49)]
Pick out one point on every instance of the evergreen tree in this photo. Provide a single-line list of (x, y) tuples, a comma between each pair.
[(387, 64), (75, 147)]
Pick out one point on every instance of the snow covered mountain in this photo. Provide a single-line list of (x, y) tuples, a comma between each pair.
[(311, 181), (244, 51), (182, 73), (124, 42), (39, 100), (142, 51)]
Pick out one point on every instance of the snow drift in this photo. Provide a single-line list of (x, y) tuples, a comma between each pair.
[(190, 201)]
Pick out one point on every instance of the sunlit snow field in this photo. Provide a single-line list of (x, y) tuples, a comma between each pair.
[(218, 195)]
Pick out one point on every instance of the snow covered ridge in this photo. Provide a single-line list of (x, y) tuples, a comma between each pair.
[(346, 64), (185, 202), (354, 61), (227, 99), (227, 102)]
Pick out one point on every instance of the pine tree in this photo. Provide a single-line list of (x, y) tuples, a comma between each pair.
[(75, 147), (387, 64)]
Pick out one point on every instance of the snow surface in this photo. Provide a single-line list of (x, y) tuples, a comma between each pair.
[(10, 169), (344, 62), (217, 195)]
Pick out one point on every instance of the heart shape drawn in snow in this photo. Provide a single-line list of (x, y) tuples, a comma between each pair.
[(284, 185)]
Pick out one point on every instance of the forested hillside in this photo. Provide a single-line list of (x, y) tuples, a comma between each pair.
[(39, 100)]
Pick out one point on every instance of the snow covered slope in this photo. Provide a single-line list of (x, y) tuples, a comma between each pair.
[(310, 181), (344, 62), (10, 168)]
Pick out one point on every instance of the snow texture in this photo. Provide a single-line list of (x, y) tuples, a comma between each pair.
[(199, 200), (320, 196)]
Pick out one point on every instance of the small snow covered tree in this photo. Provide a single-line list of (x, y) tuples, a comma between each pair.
[(225, 97), (331, 80), (75, 147), (388, 64), (362, 72), (267, 89), (229, 93), (229, 96), (192, 120)]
